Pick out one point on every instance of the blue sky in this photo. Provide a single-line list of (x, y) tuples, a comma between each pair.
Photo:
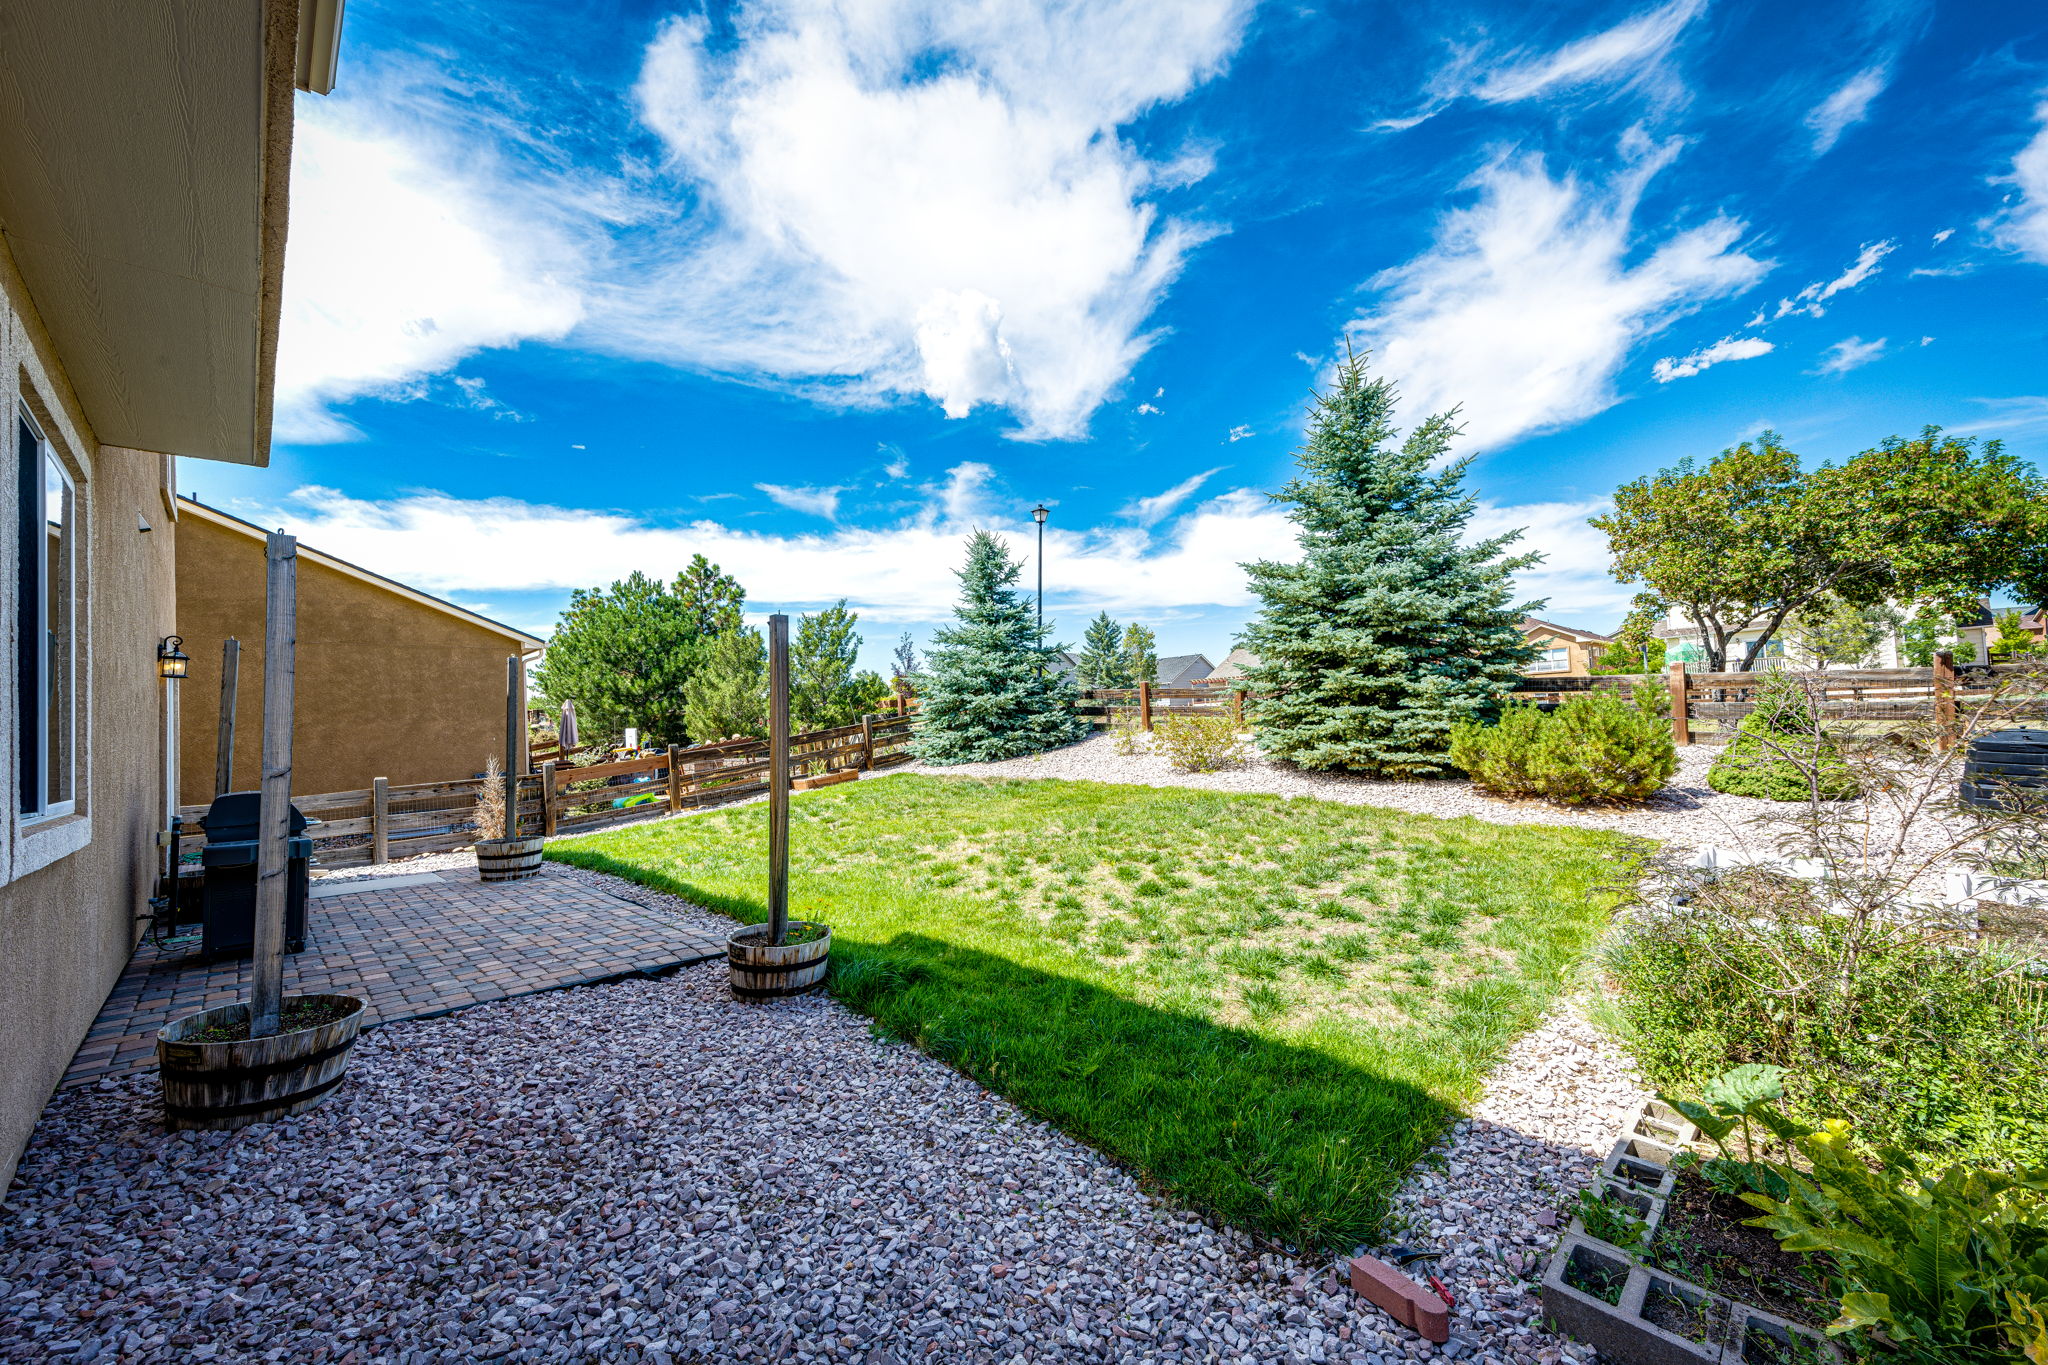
[(814, 286)]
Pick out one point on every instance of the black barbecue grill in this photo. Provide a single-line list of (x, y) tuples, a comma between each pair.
[(228, 902)]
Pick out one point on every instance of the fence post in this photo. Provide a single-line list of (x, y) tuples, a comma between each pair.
[(547, 798), (380, 820), (1945, 698), (1681, 720), (1144, 706), (675, 779), (867, 744), (1237, 707)]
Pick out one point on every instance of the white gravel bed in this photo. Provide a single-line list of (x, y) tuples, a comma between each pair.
[(1686, 814)]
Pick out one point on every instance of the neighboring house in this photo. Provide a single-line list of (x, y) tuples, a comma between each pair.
[(1980, 631), (1176, 670), (1562, 651), (1683, 644), (145, 153), (1230, 673), (392, 682)]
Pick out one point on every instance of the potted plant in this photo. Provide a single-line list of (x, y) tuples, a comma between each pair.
[(500, 857)]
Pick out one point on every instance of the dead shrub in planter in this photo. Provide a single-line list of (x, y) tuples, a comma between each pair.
[(1198, 744), (490, 802)]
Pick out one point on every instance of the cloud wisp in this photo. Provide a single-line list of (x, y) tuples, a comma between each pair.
[(1813, 300), (1155, 509), (1726, 349), (1846, 107), (1527, 304), (1850, 353), (817, 502), (2024, 226)]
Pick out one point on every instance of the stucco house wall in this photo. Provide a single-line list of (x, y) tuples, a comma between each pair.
[(1580, 649), (388, 685), (71, 886)]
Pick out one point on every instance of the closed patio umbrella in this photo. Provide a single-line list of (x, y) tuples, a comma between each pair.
[(568, 726)]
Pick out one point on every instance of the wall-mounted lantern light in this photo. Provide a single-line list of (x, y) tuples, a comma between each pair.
[(171, 660)]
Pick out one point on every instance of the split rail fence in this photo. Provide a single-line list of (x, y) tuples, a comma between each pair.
[(386, 822)]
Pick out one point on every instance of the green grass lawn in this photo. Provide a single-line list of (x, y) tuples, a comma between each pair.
[(1268, 1007)]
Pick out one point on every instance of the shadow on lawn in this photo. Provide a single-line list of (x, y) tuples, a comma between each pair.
[(1282, 1139)]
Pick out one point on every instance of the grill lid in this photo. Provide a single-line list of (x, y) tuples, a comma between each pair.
[(235, 816)]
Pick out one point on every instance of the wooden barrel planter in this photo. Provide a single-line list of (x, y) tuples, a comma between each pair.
[(256, 1080), (762, 972), (508, 860)]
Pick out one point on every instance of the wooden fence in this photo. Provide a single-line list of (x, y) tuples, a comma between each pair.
[(1944, 692), (1103, 705), (388, 822)]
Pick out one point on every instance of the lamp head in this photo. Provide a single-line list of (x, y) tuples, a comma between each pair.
[(171, 660), (1039, 513)]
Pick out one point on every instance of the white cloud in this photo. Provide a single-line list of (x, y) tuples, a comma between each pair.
[(402, 263), (1943, 235), (2025, 412), (1152, 510), (478, 549), (1149, 409), (1812, 299), (1241, 433), (1727, 348), (1850, 353), (2024, 227), (817, 502), (1526, 305), (902, 197), (1848, 106), (1620, 53)]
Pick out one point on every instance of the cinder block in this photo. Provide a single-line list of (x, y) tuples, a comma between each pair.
[(1412, 1305), (804, 784)]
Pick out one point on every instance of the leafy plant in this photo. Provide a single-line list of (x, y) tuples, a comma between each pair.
[(1610, 1220), (1596, 747), (1738, 1099), (1780, 752), (1198, 744)]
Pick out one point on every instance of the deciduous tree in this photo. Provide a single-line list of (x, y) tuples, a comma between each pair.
[(1141, 655)]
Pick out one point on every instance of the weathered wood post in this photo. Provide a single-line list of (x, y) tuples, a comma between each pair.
[(1237, 707), (778, 779), (1681, 719), (513, 725), (1144, 706), (274, 812), (380, 820), (548, 815), (1945, 698), (224, 735), (675, 779), (867, 744)]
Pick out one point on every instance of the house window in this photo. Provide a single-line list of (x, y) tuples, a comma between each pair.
[(1552, 661), (46, 617)]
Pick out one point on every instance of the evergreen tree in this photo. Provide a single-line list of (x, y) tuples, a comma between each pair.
[(728, 695), (1141, 655), (995, 690), (1390, 629), (906, 668), (821, 660), (1102, 662), (1780, 752), (710, 597)]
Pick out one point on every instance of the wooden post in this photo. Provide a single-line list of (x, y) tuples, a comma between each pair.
[(1144, 706), (513, 705), (224, 736), (1237, 707), (1945, 699), (867, 744), (1681, 719), (675, 779), (380, 820), (548, 804), (778, 779), (519, 692), (280, 662)]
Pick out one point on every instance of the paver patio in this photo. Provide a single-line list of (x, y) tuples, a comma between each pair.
[(414, 946)]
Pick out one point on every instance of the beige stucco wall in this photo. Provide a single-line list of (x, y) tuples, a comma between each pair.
[(387, 686), (68, 925), (1581, 654)]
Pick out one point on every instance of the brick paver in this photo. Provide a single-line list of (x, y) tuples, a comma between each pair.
[(412, 950)]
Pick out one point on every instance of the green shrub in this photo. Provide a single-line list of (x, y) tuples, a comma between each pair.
[(1595, 747), (1951, 1265), (1921, 1042), (1780, 752), (1198, 744)]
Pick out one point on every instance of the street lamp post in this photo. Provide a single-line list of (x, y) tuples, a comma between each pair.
[(1039, 514)]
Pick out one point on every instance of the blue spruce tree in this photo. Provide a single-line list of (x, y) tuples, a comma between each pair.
[(1390, 628), (993, 688)]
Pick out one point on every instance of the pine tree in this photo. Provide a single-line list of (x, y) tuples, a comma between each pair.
[(907, 669), (1390, 629), (1102, 662), (728, 695), (1141, 655), (821, 660), (994, 690)]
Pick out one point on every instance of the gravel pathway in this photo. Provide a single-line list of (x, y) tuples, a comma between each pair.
[(1686, 814)]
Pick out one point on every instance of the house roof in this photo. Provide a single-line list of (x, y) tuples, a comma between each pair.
[(1533, 624), (1183, 670), (1233, 666), (145, 157), (193, 507)]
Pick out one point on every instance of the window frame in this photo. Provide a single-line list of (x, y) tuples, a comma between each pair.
[(37, 675)]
